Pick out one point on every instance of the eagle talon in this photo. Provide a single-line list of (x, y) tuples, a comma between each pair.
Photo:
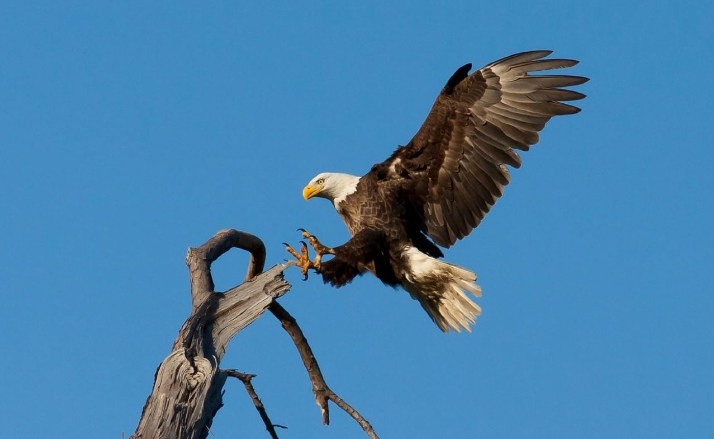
[(302, 258)]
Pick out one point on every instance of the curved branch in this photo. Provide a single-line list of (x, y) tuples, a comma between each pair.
[(199, 259)]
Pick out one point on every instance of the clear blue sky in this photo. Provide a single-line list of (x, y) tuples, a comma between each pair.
[(131, 131)]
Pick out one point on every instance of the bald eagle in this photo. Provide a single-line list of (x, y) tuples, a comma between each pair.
[(437, 189)]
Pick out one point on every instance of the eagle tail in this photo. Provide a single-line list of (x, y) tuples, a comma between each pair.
[(440, 288)]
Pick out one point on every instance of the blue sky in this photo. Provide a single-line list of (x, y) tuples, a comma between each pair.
[(131, 131)]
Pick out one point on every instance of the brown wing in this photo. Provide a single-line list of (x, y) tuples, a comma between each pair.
[(453, 170)]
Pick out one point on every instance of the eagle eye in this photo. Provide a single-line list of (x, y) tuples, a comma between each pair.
[(320, 180)]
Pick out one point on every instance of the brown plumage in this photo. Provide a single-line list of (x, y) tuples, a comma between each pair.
[(438, 188)]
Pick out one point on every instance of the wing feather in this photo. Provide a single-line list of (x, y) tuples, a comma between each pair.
[(528, 84), (540, 65), (477, 194), (495, 171), (544, 95), (485, 145), (470, 203), (500, 138), (520, 120)]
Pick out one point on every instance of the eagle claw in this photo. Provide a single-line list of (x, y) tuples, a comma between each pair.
[(303, 258)]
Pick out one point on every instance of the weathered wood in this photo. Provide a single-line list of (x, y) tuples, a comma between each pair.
[(188, 383)]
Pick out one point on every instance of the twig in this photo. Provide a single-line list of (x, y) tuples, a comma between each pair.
[(339, 402), (245, 378), (322, 392)]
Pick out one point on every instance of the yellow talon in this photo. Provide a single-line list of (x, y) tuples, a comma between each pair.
[(303, 258)]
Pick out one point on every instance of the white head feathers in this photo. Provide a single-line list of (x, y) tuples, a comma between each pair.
[(333, 186)]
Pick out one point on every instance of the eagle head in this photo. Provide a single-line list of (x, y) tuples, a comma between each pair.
[(333, 186)]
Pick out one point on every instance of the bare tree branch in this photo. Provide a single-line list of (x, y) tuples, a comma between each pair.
[(320, 389), (246, 379), (366, 426)]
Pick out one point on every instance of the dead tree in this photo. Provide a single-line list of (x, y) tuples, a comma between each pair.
[(188, 384)]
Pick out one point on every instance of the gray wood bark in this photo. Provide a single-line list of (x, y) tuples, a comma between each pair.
[(188, 383)]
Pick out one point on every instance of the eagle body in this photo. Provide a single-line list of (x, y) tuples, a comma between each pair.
[(437, 189)]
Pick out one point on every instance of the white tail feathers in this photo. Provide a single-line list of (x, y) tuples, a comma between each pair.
[(441, 289)]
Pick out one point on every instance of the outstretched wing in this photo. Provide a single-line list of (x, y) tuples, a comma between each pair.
[(454, 169)]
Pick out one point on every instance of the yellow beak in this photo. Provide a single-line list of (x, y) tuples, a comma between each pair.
[(310, 191)]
